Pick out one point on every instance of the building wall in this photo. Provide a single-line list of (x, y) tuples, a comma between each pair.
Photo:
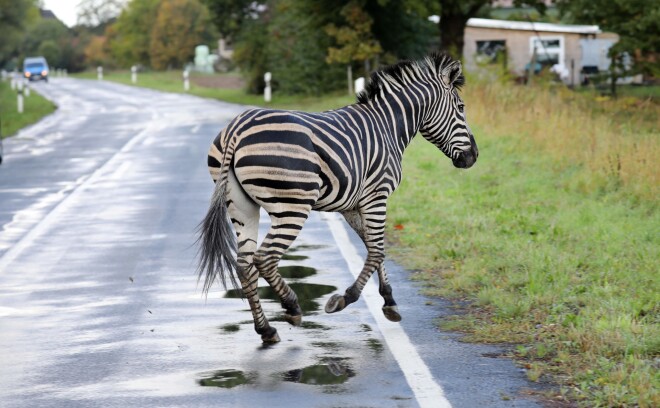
[(519, 49)]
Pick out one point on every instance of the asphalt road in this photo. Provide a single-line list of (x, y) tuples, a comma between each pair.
[(99, 305)]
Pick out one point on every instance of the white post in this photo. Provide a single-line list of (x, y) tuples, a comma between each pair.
[(134, 74), (65, 72), (359, 85), (27, 87), (99, 73), (267, 90), (13, 81), (186, 81), (19, 101)]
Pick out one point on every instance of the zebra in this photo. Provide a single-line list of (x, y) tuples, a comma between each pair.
[(346, 160)]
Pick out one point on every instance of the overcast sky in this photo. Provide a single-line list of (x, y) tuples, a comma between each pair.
[(65, 10)]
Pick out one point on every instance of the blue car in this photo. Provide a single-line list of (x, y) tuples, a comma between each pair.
[(35, 68)]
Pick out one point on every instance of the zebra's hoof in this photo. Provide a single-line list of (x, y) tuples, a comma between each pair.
[(392, 313), (294, 320), (335, 304), (270, 336)]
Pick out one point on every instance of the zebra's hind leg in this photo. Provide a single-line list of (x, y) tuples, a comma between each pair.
[(285, 227), (244, 215)]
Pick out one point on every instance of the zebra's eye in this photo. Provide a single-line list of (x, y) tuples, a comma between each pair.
[(461, 107)]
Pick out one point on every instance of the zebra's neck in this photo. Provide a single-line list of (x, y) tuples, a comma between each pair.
[(401, 112)]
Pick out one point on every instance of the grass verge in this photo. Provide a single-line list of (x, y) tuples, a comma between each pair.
[(552, 249), (35, 108), (172, 81)]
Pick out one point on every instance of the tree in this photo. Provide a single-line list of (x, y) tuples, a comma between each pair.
[(637, 22), (228, 16), (98, 12), (180, 26), (297, 50), (355, 40), (130, 37), (43, 30), (15, 17), (95, 51)]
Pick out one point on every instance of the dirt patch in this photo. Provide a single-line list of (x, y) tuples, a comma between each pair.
[(218, 81)]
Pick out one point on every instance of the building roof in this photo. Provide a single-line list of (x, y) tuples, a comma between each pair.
[(529, 26)]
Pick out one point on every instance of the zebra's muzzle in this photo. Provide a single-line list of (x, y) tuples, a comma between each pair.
[(466, 158)]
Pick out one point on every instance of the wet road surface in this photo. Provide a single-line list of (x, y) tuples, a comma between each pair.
[(99, 304)]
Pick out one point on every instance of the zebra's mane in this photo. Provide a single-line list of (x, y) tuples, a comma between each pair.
[(395, 75)]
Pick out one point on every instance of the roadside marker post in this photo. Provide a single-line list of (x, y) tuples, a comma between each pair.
[(99, 73), (359, 85), (267, 89), (134, 74), (19, 96), (27, 87), (186, 81)]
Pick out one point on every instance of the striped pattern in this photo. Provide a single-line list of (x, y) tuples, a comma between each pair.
[(346, 160)]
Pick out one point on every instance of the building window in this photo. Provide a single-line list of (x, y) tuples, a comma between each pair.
[(489, 51), (549, 50)]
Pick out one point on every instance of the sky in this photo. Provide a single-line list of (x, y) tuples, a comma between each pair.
[(65, 10)]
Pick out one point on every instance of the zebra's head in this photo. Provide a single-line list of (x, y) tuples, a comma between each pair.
[(445, 125)]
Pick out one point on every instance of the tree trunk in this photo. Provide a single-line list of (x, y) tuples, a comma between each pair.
[(452, 33)]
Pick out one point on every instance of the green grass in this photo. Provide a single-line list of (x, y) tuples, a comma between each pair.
[(172, 81), (572, 276), (35, 107)]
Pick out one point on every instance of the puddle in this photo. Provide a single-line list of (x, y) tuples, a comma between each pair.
[(306, 292), (288, 257), (327, 345), (375, 345), (306, 324), (331, 372), (296, 272), (230, 328), (225, 379), (305, 248)]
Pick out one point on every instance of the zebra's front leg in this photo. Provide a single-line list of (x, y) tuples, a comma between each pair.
[(390, 309), (369, 225)]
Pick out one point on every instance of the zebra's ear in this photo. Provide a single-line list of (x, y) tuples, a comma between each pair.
[(451, 73)]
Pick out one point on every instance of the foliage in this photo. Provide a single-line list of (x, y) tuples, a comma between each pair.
[(637, 22), (49, 50), (130, 37), (95, 52), (180, 26), (229, 15), (355, 39), (250, 51), (43, 30), (15, 17), (296, 52)]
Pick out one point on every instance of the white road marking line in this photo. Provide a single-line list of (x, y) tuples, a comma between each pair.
[(52, 217), (427, 392)]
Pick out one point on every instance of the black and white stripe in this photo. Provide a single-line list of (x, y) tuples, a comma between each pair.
[(346, 160)]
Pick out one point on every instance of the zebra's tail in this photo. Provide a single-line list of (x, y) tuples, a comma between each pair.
[(217, 243)]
